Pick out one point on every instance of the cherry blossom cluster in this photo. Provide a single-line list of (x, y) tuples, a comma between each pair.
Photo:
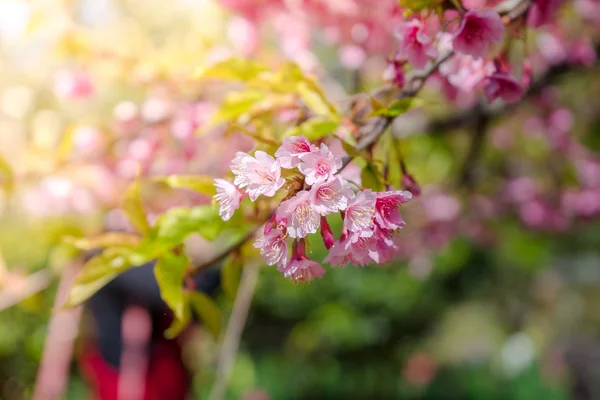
[(469, 69), (371, 220)]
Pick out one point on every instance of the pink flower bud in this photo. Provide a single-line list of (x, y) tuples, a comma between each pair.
[(409, 183), (326, 233)]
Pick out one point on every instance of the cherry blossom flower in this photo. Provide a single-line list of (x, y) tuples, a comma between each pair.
[(300, 268), (394, 73), (415, 45), (478, 30), (330, 196), (542, 12), (261, 175), (387, 214), (385, 245), (273, 247), (299, 215), (503, 86), (465, 72), (361, 247), (360, 210), (228, 196), (292, 149), (320, 165)]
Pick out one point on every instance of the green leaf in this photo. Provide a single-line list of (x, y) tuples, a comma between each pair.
[(132, 205), (208, 311), (419, 5), (397, 107), (176, 224), (235, 105), (100, 270), (179, 324), (104, 240), (314, 128), (6, 175), (350, 149), (370, 178), (169, 272), (315, 100), (199, 183), (232, 69), (231, 274)]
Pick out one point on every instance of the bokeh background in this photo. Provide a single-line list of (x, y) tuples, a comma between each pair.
[(496, 296)]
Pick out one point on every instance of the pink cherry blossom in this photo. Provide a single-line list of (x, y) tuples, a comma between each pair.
[(228, 196), (330, 196), (385, 245), (261, 175), (387, 214), (465, 72), (299, 215), (415, 45), (338, 255), (394, 73), (360, 210), (292, 149), (300, 268), (478, 31), (504, 86), (542, 12), (352, 249), (320, 165), (273, 247), (361, 247)]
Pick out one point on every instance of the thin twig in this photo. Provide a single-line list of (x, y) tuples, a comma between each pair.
[(235, 327), (23, 288), (54, 368)]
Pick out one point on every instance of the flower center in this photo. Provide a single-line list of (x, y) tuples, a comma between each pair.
[(322, 168), (303, 212), (301, 147), (265, 175), (326, 193)]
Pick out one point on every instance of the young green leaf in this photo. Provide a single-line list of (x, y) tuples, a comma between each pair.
[(132, 205), (199, 183), (370, 178), (101, 269), (6, 175), (232, 69), (208, 311), (169, 272), (318, 128), (107, 239), (179, 324), (316, 101), (235, 105), (176, 224)]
